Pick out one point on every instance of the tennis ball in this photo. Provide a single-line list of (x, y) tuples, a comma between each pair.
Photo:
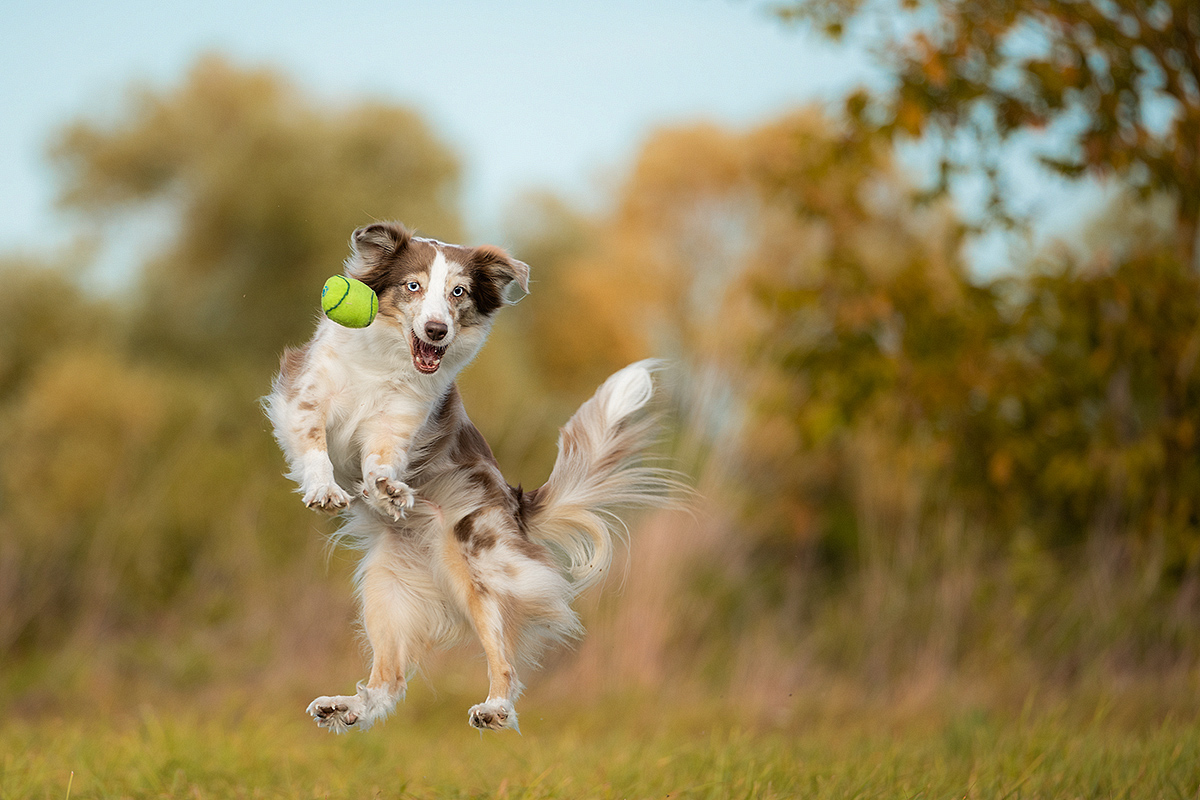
[(349, 302)]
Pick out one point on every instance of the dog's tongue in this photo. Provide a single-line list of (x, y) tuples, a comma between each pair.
[(426, 357)]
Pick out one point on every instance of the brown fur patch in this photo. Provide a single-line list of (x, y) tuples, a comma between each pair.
[(464, 529), (376, 247), (471, 448), (476, 537), (291, 364), (495, 491), (527, 503), (481, 541)]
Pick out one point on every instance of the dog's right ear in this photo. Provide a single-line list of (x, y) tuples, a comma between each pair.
[(372, 247)]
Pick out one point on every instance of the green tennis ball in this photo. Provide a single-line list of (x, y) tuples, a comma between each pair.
[(349, 302)]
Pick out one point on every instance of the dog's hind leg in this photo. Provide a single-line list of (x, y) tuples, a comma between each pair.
[(514, 598), (395, 616), (499, 709), (491, 614)]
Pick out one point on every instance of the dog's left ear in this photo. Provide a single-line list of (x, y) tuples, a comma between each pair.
[(519, 271), (496, 270)]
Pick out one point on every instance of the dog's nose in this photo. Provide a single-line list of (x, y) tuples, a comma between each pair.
[(436, 331)]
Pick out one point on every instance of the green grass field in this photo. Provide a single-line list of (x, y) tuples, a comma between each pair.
[(637, 752)]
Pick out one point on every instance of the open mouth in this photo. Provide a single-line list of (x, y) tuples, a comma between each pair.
[(426, 357)]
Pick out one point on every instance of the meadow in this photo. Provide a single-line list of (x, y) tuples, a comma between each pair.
[(620, 749)]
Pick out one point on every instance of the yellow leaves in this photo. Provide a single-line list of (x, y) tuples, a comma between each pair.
[(910, 117), (864, 311), (685, 162), (936, 71)]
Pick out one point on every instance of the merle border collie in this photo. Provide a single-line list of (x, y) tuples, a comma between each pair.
[(373, 427)]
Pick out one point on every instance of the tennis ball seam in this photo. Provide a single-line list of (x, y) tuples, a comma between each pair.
[(345, 293)]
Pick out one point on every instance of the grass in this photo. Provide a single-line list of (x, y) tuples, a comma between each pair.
[(630, 751)]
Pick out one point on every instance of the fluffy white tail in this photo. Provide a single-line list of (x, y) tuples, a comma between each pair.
[(597, 471)]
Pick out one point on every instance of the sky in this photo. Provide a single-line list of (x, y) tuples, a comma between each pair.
[(547, 94)]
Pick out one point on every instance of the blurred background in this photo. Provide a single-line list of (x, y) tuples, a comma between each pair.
[(925, 271)]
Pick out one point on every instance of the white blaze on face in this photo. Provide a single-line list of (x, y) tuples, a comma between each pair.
[(434, 306)]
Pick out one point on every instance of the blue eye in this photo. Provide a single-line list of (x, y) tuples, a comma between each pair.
[(459, 291), (413, 286)]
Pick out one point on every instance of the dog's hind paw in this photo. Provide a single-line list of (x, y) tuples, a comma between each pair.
[(493, 714), (339, 714)]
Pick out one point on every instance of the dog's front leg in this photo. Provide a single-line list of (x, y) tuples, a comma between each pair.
[(384, 463), (305, 442), (382, 487), (392, 615)]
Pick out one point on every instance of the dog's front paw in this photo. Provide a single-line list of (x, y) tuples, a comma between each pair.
[(493, 714), (328, 497), (392, 497), (386, 493), (338, 714)]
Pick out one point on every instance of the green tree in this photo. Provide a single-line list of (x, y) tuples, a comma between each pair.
[(263, 186), (42, 311)]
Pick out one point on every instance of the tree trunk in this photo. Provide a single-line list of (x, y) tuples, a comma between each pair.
[(1187, 227)]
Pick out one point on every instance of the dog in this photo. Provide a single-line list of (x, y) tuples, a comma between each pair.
[(373, 427)]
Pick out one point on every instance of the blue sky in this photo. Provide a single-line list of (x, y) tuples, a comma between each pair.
[(531, 93)]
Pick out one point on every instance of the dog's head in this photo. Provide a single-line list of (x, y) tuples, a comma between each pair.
[(440, 297)]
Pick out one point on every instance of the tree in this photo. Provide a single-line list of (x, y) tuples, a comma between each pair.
[(770, 264), (872, 337), (1115, 82), (263, 187)]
